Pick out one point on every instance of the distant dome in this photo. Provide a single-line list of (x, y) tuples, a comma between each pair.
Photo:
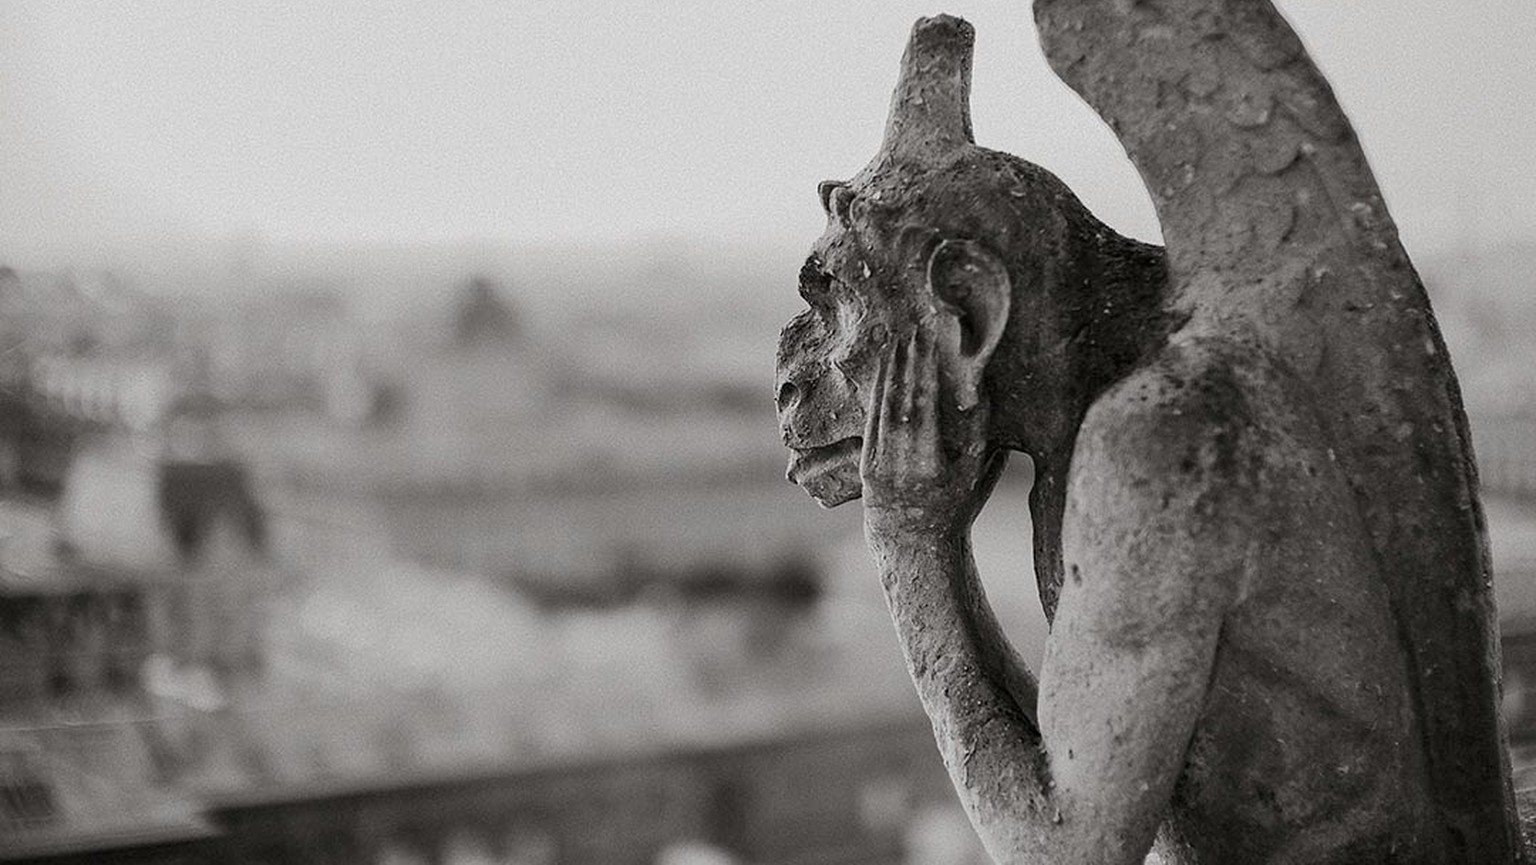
[(483, 315)]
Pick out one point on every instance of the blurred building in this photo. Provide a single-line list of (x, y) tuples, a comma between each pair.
[(77, 352), (278, 345), (73, 630), (35, 442), (171, 690), (73, 626), (92, 657)]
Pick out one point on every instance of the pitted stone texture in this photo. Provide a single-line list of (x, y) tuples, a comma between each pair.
[(1256, 526)]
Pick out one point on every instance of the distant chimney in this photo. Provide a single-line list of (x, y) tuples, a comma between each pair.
[(195, 497)]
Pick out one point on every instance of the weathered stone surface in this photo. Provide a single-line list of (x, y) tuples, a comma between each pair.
[(1526, 799), (1255, 515)]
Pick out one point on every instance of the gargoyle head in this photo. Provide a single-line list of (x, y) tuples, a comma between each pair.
[(934, 232)]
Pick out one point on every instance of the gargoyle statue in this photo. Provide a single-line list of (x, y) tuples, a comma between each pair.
[(1255, 516)]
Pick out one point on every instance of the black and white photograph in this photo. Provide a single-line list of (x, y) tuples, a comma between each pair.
[(518, 432)]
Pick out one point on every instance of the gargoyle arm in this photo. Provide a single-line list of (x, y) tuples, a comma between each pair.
[(1081, 767)]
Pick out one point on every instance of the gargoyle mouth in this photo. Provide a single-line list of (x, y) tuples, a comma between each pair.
[(830, 473)]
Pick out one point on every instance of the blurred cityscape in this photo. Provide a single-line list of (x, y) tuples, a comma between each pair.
[(396, 556)]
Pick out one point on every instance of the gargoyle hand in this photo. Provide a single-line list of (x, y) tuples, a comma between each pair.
[(921, 480)]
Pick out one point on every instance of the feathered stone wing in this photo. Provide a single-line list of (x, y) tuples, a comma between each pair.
[(1277, 234)]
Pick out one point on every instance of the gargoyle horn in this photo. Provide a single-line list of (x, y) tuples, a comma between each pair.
[(931, 108)]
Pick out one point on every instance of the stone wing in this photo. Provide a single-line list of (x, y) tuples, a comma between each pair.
[(1277, 235)]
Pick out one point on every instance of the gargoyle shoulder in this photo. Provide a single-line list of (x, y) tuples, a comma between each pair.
[(1193, 443)]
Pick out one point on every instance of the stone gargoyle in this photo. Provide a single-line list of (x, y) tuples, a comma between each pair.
[(1257, 534)]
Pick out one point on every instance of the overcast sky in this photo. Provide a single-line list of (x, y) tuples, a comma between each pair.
[(146, 124)]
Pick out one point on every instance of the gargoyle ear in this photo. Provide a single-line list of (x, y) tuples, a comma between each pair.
[(972, 294)]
